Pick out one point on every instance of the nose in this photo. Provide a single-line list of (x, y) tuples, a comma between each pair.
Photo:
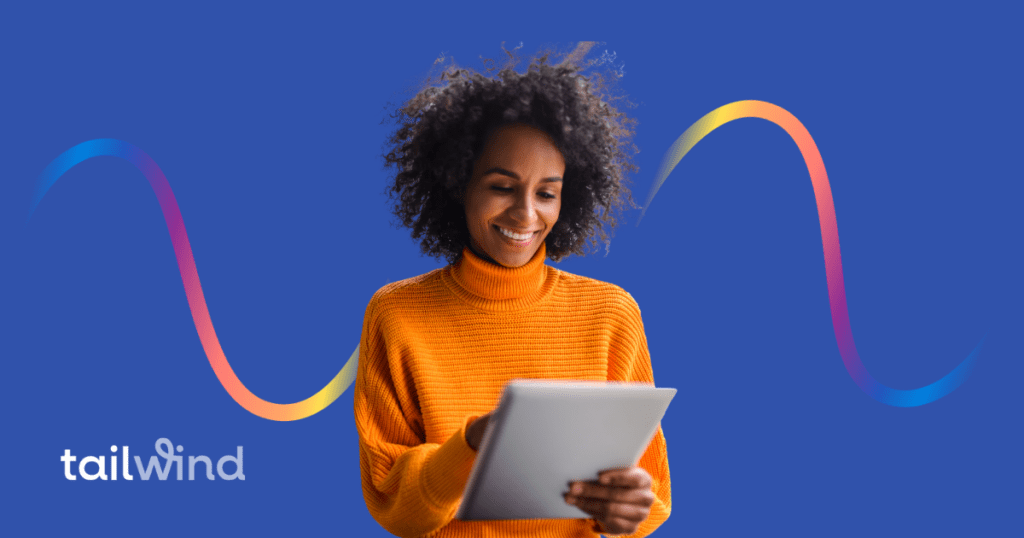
[(522, 211)]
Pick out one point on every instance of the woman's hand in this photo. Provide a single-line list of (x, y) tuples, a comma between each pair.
[(619, 500), (475, 431)]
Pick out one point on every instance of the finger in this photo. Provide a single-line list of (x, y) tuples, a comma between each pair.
[(615, 517), (602, 509), (619, 526), (629, 477), (640, 496), (597, 508), (627, 512)]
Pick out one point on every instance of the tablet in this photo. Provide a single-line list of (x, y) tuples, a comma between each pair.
[(546, 434)]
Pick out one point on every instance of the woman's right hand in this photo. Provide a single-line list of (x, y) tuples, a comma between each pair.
[(475, 431)]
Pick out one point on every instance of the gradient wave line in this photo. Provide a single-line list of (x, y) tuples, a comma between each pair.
[(190, 278), (830, 241)]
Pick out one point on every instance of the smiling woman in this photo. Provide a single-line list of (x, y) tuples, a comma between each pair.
[(514, 196), (497, 175)]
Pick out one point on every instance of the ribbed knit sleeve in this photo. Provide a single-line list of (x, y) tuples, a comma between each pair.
[(412, 488), (633, 363)]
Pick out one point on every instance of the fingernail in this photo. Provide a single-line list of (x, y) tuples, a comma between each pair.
[(577, 489), (605, 479)]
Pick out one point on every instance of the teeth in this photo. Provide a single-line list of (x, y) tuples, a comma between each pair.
[(517, 237)]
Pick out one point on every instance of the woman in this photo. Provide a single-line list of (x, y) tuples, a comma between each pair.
[(496, 175)]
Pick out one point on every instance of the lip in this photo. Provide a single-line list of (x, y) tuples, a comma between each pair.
[(515, 231), (508, 239)]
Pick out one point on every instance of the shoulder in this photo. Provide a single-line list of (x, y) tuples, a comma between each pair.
[(416, 292), (578, 288), (598, 304)]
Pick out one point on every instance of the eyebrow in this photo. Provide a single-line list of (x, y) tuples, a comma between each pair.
[(513, 175)]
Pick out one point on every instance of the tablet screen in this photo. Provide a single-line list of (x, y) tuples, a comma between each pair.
[(548, 433)]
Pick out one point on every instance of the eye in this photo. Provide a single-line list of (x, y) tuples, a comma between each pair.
[(547, 195), (501, 189)]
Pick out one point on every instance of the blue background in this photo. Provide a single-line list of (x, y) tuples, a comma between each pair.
[(266, 121)]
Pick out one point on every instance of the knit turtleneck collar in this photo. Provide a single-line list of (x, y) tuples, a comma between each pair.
[(493, 287)]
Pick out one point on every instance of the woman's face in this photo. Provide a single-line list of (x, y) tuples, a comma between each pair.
[(514, 195)]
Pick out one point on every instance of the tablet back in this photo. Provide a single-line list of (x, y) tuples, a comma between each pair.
[(545, 434)]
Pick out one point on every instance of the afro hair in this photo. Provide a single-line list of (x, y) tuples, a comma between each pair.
[(442, 130)]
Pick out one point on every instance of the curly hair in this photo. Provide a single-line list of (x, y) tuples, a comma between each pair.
[(442, 131)]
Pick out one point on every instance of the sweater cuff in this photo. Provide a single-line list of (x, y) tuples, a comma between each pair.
[(446, 471)]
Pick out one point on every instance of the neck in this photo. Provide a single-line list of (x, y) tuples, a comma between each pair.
[(481, 254)]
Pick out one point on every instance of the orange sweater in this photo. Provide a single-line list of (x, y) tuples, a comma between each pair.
[(435, 354)]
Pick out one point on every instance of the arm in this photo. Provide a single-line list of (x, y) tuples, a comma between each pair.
[(636, 367), (655, 462), (411, 488)]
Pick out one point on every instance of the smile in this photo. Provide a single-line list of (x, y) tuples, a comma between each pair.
[(515, 236)]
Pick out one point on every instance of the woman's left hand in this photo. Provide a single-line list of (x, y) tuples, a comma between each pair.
[(619, 500)]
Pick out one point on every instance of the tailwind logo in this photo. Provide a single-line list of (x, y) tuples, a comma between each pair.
[(166, 450)]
